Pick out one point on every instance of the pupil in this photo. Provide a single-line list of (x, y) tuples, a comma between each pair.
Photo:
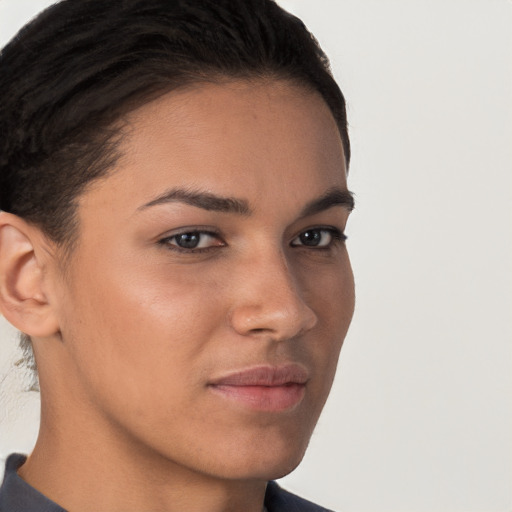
[(188, 240), (311, 238)]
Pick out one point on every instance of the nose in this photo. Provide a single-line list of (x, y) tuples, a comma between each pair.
[(269, 301)]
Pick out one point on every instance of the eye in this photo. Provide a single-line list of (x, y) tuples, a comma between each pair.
[(319, 238), (192, 241)]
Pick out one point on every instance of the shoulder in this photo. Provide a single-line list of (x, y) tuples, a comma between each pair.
[(279, 500)]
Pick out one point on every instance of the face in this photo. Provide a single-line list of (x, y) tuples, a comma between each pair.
[(205, 305)]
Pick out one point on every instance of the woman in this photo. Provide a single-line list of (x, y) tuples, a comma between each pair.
[(174, 196)]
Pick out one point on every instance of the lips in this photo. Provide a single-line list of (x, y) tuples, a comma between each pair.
[(264, 388)]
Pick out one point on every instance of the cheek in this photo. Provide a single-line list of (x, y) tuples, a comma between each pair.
[(330, 293), (140, 327)]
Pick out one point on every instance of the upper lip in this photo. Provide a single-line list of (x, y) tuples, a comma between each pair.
[(265, 375)]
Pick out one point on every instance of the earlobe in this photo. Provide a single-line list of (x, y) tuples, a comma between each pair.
[(23, 300)]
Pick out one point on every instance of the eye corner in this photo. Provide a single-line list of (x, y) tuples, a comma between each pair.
[(313, 238)]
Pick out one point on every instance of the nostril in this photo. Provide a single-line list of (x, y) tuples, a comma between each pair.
[(256, 331)]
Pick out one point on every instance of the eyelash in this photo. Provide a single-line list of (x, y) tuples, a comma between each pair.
[(337, 238), (173, 247)]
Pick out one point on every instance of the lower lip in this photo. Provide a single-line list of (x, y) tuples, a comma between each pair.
[(264, 398)]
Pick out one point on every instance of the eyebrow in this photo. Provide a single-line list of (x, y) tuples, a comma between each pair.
[(212, 202), (333, 197), (203, 200)]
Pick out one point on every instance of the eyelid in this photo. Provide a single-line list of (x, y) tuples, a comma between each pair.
[(206, 230), (209, 230), (338, 237)]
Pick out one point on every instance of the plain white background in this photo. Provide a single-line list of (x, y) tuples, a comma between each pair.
[(420, 417)]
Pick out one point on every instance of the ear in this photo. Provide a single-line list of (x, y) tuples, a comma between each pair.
[(23, 298)]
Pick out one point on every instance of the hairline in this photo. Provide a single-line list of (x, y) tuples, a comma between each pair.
[(117, 129)]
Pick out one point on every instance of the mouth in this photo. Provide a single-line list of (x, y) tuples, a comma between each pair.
[(264, 388)]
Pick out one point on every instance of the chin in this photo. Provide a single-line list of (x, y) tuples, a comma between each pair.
[(264, 461), (284, 468)]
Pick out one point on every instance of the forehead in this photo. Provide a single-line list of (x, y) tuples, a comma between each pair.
[(252, 139)]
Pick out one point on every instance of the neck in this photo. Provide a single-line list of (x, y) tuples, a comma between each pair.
[(110, 471)]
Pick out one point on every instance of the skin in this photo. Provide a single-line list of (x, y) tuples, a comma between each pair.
[(135, 330)]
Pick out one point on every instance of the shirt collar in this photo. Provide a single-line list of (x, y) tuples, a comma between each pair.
[(16, 495)]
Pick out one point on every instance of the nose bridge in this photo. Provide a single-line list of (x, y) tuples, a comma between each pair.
[(270, 299)]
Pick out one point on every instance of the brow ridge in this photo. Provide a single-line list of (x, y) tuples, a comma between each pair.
[(204, 200), (207, 201), (333, 197)]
